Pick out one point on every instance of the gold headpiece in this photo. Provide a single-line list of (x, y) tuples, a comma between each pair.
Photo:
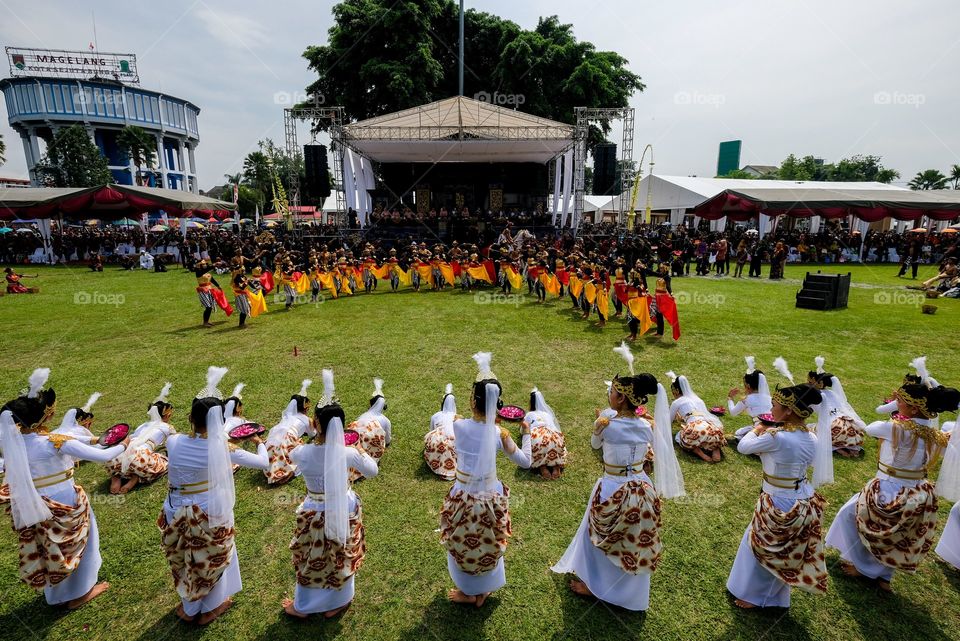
[(913, 401), (788, 398)]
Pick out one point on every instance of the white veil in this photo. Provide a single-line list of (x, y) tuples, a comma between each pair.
[(221, 490), (669, 478), (948, 483), (841, 404), (484, 475), (448, 410), (687, 392), (26, 505), (377, 408), (540, 405), (336, 523), (823, 455), (763, 390)]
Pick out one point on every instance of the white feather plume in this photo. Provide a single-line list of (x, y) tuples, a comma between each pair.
[(920, 364), (448, 389), (37, 380), (214, 376), (90, 401), (751, 364), (609, 384), (328, 389), (377, 387), (820, 360), (164, 393), (237, 389), (672, 376), (780, 364), (483, 360), (304, 385), (624, 351)]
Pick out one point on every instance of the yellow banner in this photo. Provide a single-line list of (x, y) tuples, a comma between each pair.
[(515, 279), (479, 273), (447, 271)]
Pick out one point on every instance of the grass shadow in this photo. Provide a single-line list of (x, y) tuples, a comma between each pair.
[(605, 621), (441, 617), (33, 619), (759, 623), (950, 573)]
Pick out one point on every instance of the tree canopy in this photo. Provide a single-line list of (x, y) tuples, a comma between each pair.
[(384, 55), (73, 160)]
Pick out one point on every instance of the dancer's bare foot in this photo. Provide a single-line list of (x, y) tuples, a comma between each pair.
[(545, 472), (209, 617), (740, 603), (579, 587), (115, 483), (458, 596), (849, 569), (94, 592), (703, 455), (208, 324), (292, 611), (332, 613), (182, 614), (129, 485), (717, 455), (482, 598), (884, 585), (557, 471)]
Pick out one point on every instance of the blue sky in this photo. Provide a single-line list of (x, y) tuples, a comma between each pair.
[(815, 77)]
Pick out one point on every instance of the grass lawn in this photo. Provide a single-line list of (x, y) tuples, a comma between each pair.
[(143, 329)]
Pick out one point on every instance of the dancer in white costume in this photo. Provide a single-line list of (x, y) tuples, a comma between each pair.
[(141, 463), (617, 545), (547, 444), (756, 399), (439, 444), (236, 417), (700, 431), (948, 487), (196, 523), (475, 518), (77, 422), (286, 435), (890, 524), (373, 428), (782, 548), (846, 426), (919, 364), (329, 542), (59, 542)]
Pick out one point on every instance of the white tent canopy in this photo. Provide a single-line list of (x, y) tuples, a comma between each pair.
[(458, 129)]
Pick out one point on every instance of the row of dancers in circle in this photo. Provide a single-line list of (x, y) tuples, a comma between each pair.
[(888, 526)]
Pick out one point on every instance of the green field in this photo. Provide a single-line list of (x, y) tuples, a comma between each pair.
[(141, 329)]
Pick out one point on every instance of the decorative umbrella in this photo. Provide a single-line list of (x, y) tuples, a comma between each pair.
[(948, 230), (919, 230), (125, 222), (192, 224), (5, 230), (93, 222), (159, 228), (271, 223)]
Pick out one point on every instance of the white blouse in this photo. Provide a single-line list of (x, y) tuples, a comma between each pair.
[(309, 460), (46, 460), (625, 442), (187, 456), (468, 434), (753, 404), (540, 419), (911, 453), (784, 454)]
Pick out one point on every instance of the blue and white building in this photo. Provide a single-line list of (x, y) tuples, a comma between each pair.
[(39, 106)]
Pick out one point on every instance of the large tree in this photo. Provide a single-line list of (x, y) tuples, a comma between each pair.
[(929, 179), (73, 160), (139, 146), (387, 55), (859, 168), (955, 176)]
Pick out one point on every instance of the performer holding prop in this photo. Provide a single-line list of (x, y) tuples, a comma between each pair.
[(141, 463)]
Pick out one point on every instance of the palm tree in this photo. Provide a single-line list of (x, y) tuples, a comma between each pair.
[(258, 173), (3, 149), (955, 176), (139, 146), (929, 179)]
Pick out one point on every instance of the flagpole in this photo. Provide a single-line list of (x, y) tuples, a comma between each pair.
[(461, 48)]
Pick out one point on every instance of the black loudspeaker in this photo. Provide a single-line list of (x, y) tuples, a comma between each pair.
[(604, 168), (315, 167)]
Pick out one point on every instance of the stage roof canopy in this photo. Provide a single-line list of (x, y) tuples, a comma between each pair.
[(869, 205), (109, 202), (459, 129)]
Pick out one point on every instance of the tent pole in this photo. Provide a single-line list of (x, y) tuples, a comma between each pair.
[(461, 48)]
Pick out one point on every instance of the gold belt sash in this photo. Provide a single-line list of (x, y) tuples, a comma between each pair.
[(190, 488), (784, 483), (623, 470), (52, 479), (319, 497), (902, 473)]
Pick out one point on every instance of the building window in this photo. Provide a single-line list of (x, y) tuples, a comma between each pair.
[(77, 99)]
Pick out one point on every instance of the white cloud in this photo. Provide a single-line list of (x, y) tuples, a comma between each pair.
[(231, 29)]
